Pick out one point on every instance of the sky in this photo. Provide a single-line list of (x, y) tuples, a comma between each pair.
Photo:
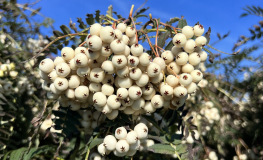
[(221, 15)]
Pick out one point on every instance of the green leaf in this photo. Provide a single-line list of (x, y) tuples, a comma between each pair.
[(162, 38), (141, 11), (57, 33), (17, 154), (81, 23), (173, 20), (169, 45), (244, 15), (97, 17), (182, 23), (162, 148), (65, 29), (6, 155), (95, 142), (141, 15), (181, 148), (90, 20), (109, 12), (161, 139), (111, 123), (36, 151)]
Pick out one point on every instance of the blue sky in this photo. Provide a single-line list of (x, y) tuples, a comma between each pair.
[(221, 15)]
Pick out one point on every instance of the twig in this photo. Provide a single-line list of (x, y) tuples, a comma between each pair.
[(140, 7), (135, 30), (156, 38), (146, 35), (82, 44)]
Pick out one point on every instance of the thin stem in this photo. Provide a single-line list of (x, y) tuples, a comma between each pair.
[(169, 26), (68, 35), (82, 44), (161, 48), (146, 35), (111, 17), (156, 38), (173, 72), (164, 78), (175, 151), (135, 30)]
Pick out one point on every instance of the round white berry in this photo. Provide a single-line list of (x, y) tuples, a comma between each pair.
[(59, 60), (191, 88), (172, 81), (173, 67), (97, 75), (110, 142), (130, 31), (149, 108), (95, 29), (198, 30), (185, 79), (200, 41), (160, 62), (121, 133), (149, 97), (133, 61), (46, 65), (81, 60), (106, 50), (125, 39), (123, 72), (102, 149), (157, 79), (52, 75), (132, 137), (106, 109), (53, 89), (181, 58), (113, 114), (95, 156), (135, 92), (67, 53), (124, 82), (119, 61), (83, 71), (128, 110), (175, 50), (61, 83), (189, 46), (82, 93), (122, 27), (135, 73), (99, 99), (143, 80), (107, 89), (157, 101), (107, 34), (142, 130), (82, 50), (153, 70), (136, 49), (180, 91), (145, 59), (203, 55), (95, 87), (194, 58), (118, 34), (188, 31), (113, 102), (122, 93), (108, 67), (138, 104), (187, 68), (74, 81), (147, 89), (117, 46), (167, 56), (179, 40), (197, 76)]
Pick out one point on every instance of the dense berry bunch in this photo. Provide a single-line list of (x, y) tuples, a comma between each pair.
[(124, 143), (114, 74)]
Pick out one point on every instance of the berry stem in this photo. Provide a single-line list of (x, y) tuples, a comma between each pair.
[(156, 38), (160, 48), (147, 37), (164, 78), (135, 30), (111, 17), (68, 35), (82, 44), (166, 25), (173, 72)]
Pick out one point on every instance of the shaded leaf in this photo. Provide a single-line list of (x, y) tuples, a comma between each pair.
[(141, 11), (162, 148), (97, 16), (161, 139), (81, 23), (95, 142), (109, 11), (90, 20), (162, 38)]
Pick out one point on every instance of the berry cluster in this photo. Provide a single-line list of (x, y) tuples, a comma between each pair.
[(128, 142), (114, 74), (8, 87)]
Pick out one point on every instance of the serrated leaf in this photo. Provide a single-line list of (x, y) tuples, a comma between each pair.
[(182, 23), (97, 16), (90, 20), (173, 20), (162, 38), (57, 33), (109, 11), (141, 11), (162, 148), (81, 23), (65, 29), (95, 142)]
